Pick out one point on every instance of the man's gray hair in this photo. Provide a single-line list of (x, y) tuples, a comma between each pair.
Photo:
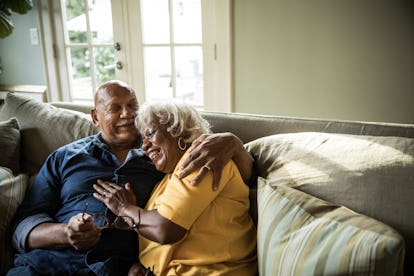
[(180, 119)]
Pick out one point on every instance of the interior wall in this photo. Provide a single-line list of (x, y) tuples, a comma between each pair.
[(351, 60), (22, 62)]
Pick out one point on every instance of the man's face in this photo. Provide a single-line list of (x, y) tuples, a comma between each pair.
[(114, 113)]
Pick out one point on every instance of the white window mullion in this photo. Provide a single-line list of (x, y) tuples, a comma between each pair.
[(173, 80), (89, 45), (47, 34), (134, 46)]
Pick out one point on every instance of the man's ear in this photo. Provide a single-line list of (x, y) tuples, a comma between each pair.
[(94, 117)]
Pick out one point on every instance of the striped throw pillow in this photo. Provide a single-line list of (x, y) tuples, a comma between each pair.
[(12, 191), (299, 234)]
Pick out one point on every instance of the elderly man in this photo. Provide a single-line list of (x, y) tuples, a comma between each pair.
[(52, 232)]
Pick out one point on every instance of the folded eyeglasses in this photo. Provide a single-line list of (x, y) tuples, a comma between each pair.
[(102, 222)]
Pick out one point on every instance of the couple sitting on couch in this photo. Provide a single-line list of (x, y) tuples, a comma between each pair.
[(56, 229)]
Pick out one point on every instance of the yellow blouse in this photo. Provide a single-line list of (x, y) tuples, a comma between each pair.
[(221, 237)]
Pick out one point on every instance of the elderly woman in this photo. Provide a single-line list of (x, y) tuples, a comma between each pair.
[(185, 229)]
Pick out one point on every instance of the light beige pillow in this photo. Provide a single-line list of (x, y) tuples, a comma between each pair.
[(12, 191), (299, 234), (371, 175), (44, 128)]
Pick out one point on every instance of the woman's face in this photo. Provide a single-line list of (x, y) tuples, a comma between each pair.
[(160, 147)]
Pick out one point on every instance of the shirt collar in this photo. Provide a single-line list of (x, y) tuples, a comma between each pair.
[(135, 152), (99, 142)]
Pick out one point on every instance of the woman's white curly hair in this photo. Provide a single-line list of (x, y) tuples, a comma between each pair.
[(180, 119)]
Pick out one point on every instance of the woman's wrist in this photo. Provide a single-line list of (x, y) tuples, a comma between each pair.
[(134, 212)]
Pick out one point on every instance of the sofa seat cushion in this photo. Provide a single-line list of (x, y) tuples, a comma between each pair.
[(10, 145), (370, 175), (12, 191), (44, 128), (299, 234)]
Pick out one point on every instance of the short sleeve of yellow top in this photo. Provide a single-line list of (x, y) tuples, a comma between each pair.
[(221, 237)]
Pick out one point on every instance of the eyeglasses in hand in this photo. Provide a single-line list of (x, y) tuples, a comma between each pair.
[(102, 222)]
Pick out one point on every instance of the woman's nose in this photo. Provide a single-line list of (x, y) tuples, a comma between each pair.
[(145, 144)]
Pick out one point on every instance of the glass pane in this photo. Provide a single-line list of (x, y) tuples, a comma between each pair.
[(189, 78), (100, 16), (104, 64), (155, 21), (187, 21), (76, 21), (81, 76), (158, 83)]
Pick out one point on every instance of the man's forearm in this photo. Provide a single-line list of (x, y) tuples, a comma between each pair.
[(24, 228), (244, 162), (80, 233), (48, 235)]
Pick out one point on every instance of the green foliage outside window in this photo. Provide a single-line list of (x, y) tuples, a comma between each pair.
[(81, 63)]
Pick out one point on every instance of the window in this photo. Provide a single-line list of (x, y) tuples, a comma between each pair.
[(172, 50), (88, 45), (163, 48)]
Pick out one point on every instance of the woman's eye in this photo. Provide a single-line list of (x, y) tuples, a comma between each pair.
[(150, 134)]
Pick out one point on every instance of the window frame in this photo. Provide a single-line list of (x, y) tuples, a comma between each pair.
[(217, 48)]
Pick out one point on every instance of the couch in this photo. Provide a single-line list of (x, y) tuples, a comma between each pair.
[(333, 197)]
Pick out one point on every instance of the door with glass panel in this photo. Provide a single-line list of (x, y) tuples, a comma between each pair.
[(93, 53), (173, 50), (157, 46)]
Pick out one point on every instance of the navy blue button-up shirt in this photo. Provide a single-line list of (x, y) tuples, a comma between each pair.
[(60, 191)]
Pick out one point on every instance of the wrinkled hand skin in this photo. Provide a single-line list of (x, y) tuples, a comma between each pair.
[(81, 233), (115, 197), (213, 150)]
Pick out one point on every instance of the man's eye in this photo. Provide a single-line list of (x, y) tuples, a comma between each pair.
[(114, 109), (133, 107)]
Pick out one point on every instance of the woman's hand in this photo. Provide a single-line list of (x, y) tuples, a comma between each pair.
[(116, 198)]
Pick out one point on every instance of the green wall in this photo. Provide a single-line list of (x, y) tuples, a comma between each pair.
[(22, 62), (351, 60)]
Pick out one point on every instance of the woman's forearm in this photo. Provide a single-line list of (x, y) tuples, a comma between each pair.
[(153, 226), (244, 161)]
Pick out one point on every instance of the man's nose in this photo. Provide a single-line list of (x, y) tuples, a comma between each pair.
[(127, 112)]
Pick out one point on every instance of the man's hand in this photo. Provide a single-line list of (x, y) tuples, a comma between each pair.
[(213, 152), (81, 232)]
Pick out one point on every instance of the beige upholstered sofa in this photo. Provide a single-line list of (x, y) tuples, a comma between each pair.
[(332, 197)]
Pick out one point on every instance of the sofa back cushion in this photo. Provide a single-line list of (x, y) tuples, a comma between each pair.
[(370, 175), (249, 127), (43, 128)]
